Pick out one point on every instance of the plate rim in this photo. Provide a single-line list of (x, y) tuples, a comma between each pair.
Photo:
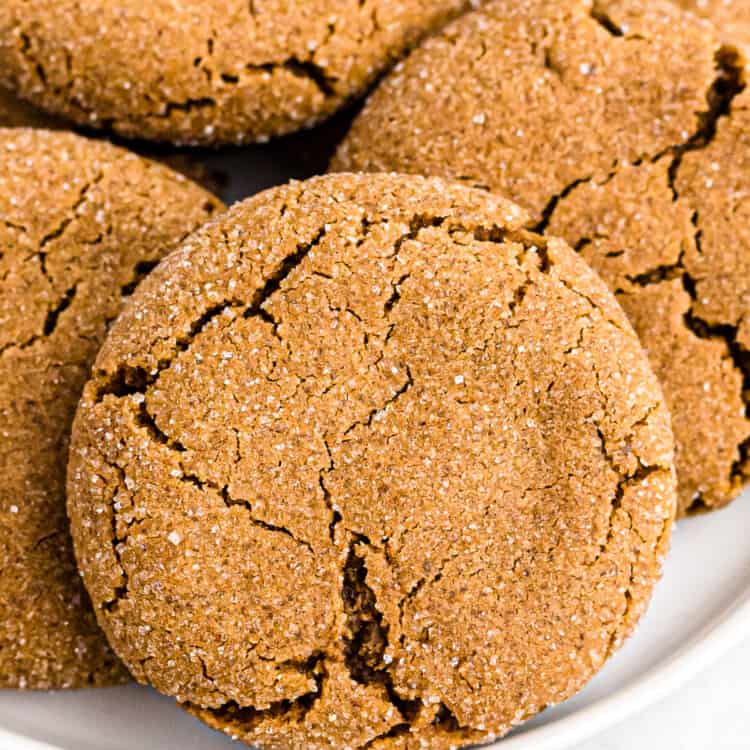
[(717, 637)]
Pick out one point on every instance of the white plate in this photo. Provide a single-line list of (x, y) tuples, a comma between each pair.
[(701, 608)]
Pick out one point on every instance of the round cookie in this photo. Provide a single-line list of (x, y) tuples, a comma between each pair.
[(80, 223), (731, 17), (647, 176), (205, 72), (366, 464)]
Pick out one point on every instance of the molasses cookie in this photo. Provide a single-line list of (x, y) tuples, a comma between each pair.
[(731, 17), (80, 223), (617, 124), (205, 72), (366, 464)]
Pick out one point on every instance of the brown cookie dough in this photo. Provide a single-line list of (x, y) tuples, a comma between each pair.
[(366, 464), (80, 222), (732, 17), (205, 72), (616, 124)]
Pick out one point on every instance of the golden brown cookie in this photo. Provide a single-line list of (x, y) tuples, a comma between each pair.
[(732, 17), (366, 464), (616, 124), (205, 72), (80, 223)]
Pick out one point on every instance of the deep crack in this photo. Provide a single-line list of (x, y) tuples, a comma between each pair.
[(659, 274), (640, 476), (141, 270), (274, 280), (146, 419), (417, 223), (53, 315), (230, 501), (50, 322), (294, 710), (728, 84), (70, 217), (367, 639), (336, 516), (125, 381), (604, 20), (312, 71), (299, 68), (121, 591), (549, 209), (189, 105), (729, 335)]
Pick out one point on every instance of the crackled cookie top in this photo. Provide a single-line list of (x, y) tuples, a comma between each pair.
[(646, 174), (205, 72), (366, 464), (732, 17), (80, 223)]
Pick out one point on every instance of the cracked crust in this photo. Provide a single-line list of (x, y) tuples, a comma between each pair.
[(731, 17), (80, 223), (208, 73), (366, 464), (647, 178)]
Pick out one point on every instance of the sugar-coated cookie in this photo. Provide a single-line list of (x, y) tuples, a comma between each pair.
[(366, 464), (230, 71), (80, 223)]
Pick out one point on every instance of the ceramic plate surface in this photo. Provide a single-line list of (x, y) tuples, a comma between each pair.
[(700, 609)]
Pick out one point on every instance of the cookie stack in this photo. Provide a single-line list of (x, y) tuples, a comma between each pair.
[(388, 457)]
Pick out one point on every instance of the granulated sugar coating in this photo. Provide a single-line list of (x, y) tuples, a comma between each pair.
[(80, 222), (365, 464), (732, 17), (205, 72), (617, 124)]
